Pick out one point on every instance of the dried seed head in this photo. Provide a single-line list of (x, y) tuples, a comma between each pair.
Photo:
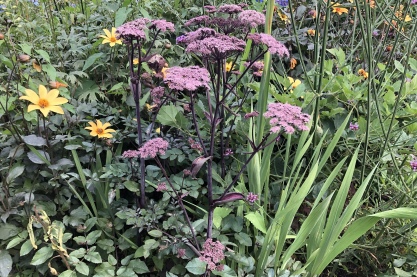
[(24, 58)]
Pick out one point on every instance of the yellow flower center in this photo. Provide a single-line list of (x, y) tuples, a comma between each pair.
[(113, 39), (43, 103), (99, 131)]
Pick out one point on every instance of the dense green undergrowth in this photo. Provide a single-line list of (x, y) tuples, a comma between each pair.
[(279, 142)]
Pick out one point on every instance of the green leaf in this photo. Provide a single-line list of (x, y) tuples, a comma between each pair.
[(93, 236), (93, 257), (132, 186), (50, 70), (389, 97), (196, 266), (14, 173), (167, 115), (121, 16), (257, 220), (27, 49), (398, 66), (17, 240), (44, 55), (243, 239), (39, 157), (34, 140), (42, 255), (8, 231), (5, 263), (219, 214), (90, 61), (68, 273), (138, 266), (155, 233), (25, 248), (82, 268)]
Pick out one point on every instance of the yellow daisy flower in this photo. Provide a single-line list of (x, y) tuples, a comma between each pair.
[(45, 102), (229, 66), (100, 130), (294, 83), (339, 10), (311, 32), (110, 37), (135, 61), (363, 73)]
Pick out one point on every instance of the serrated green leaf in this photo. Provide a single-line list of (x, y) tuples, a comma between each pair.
[(167, 115), (257, 220)]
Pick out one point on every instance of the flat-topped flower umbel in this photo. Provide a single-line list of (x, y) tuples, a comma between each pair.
[(45, 102), (189, 78)]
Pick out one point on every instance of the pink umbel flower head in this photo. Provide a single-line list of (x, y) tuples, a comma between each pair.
[(133, 29), (287, 117), (162, 25), (199, 20), (252, 18), (217, 47), (212, 254), (153, 147), (130, 154), (189, 78), (198, 34), (230, 9), (274, 46), (156, 94)]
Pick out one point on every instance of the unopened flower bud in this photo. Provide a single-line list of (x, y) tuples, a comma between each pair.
[(24, 58), (1, 36), (168, 46)]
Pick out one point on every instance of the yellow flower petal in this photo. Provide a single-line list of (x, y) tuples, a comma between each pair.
[(107, 32), (43, 92), (30, 96), (56, 109)]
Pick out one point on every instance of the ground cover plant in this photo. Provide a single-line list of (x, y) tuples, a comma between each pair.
[(197, 138)]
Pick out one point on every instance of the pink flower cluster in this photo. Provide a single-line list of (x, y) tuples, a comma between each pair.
[(153, 147), (353, 126), (229, 9), (162, 25), (217, 47), (130, 154), (274, 46), (413, 163), (156, 94), (251, 197), (212, 254), (161, 187), (252, 18), (287, 117), (195, 145), (189, 78)]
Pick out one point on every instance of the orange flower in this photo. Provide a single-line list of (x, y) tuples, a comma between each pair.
[(36, 66), (311, 32), (363, 73), (56, 84), (339, 10), (293, 63)]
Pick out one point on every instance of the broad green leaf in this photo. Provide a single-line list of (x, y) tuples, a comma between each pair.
[(93, 236), (132, 186), (27, 49), (121, 16), (26, 248), (82, 268), (244, 239), (5, 263), (44, 55), (14, 173), (155, 233), (90, 61), (50, 70), (257, 220), (93, 257), (68, 273), (42, 255), (167, 115), (18, 239), (138, 266), (196, 266), (219, 214), (8, 231), (34, 140)]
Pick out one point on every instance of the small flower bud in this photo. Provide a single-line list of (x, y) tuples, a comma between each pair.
[(168, 46), (24, 58), (1, 36)]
